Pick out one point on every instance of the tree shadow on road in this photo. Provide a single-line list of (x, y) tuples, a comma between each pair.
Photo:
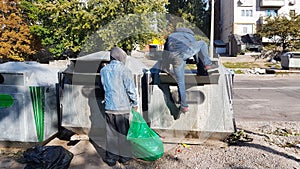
[(268, 149), (242, 143)]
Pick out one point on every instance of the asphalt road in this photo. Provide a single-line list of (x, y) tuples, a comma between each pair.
[(266, 97)]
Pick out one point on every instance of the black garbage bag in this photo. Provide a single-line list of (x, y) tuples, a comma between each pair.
[(47, 157)]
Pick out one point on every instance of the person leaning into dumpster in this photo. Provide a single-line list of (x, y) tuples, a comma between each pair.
[(119, 97), (180, 46)]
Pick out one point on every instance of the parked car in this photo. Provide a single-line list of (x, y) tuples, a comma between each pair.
[(286, 57)]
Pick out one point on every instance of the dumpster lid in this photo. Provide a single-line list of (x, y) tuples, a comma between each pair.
[(134, 64), (101, 55), (36, 74)]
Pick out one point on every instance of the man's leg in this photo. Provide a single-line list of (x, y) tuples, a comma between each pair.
[(201, 68), (203, 53), (122, 122), (206, 65), (111, 154), (178, 66)]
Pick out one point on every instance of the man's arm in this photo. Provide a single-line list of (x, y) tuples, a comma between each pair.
[(130, 87)]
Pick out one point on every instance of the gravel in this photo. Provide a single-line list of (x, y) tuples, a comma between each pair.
[(275, 145)]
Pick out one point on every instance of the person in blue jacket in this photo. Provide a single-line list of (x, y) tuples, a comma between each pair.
[(179, 47), (119, 97)]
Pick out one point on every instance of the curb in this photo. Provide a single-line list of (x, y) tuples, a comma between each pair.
[(283, 71), (268, 71)]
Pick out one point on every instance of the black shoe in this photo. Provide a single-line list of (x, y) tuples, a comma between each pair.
[(110, 162), (124, 161), (177, 115), (181, 110)]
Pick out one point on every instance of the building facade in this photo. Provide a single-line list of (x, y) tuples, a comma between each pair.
[(241, 17)]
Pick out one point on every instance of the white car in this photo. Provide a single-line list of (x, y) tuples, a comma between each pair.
[(290, 60)]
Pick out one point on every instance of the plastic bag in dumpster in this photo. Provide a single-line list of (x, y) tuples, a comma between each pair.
[(47, 157), (146, 144)]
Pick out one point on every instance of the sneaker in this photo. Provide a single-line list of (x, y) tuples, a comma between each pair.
[(211, 67), (184, 109)]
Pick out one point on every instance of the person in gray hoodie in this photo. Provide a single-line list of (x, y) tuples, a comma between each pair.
[(119, 98)]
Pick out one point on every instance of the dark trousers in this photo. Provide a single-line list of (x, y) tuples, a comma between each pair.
[(117, 146)]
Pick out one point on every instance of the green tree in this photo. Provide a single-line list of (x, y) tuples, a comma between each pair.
[(193, 11), (78, 26), (282, 31), (16, 41)]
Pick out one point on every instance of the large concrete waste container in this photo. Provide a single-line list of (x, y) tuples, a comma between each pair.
[(210, 113), (79, 99), (28, 102), (209, 98)]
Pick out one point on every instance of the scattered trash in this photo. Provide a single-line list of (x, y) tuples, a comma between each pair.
[(257, 71), (185, 145), (80, 137), (284, 132), (273, 61), (237, 137), (179, 149), (47, 157)]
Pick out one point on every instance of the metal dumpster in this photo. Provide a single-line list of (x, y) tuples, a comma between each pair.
[(210, 114), (290, 60), (28, 102), (80, 98), (209, 97)]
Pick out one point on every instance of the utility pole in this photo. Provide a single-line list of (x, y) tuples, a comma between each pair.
[(212, 19)]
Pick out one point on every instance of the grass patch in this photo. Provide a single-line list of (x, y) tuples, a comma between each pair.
[(240, 65), (277, 66), (191, 66), (282, 73), (238, 71)]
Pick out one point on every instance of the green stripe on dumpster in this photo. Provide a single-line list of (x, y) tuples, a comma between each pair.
[(6, 100), (38, 100)]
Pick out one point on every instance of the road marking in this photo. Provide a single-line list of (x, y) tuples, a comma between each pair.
[(264, 88), (253, 100)]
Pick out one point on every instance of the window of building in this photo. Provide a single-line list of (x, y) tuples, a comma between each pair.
[(271, 12), (247, 13), (245, 29), (292, 12), (245, 3)]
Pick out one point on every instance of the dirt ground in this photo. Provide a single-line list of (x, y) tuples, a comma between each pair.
[(256, 145)]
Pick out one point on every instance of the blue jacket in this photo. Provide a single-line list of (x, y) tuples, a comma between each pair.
[(119, 88), (183, 44)]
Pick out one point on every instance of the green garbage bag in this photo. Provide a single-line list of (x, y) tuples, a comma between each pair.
[(146, 144)]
